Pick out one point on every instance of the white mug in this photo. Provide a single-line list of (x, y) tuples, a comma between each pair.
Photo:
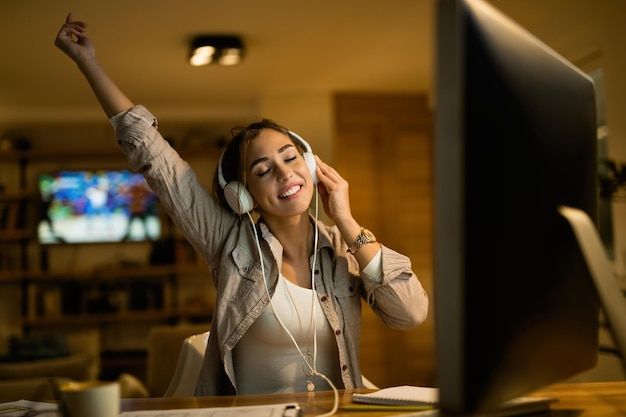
[(90, 399)]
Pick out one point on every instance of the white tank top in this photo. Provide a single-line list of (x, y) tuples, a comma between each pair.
[(266, 359)]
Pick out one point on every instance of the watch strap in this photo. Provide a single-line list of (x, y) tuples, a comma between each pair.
[(361, 240)]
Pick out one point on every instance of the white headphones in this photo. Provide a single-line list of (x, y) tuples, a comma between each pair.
[(238, 196)]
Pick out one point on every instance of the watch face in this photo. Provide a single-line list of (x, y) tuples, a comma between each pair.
[(369, 235)]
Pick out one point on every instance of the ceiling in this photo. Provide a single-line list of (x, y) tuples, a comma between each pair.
[(293, 47)]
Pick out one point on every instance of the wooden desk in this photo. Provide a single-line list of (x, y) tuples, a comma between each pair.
[(598, 399)]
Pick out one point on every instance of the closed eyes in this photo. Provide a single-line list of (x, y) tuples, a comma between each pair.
[(267, 171)]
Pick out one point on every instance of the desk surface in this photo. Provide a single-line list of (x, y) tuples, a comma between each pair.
[(597, 399)]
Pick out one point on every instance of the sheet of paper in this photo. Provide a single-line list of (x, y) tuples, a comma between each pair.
[(272, 410), (21, 407)]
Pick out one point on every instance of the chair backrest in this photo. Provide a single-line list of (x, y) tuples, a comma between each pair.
[(183, 383), (164, 344)]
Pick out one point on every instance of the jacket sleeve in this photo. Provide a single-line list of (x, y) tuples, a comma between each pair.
[(399, 299), (188, 203)]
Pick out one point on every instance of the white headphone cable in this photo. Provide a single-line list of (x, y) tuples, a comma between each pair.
[(313, 368), (314, 295), (270, 298)]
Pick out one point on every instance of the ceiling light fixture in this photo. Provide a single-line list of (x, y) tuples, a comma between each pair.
[(217, 49)]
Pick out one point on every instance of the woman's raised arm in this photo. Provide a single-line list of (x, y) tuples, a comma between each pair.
[(73, 41)]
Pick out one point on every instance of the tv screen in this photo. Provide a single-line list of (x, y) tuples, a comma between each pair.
[(515, 304), (94, 206)]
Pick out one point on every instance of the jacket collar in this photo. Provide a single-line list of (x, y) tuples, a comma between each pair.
[(324, 240)]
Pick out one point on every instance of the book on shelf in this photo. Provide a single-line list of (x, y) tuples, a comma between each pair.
[(11, 215)]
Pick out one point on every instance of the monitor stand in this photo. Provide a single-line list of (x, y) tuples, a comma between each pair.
[(610, 293)]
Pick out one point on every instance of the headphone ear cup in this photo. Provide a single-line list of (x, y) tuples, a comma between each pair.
[(309, 159), (238, 197)]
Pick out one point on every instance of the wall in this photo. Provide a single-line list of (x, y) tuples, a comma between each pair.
[(614, 64), (309, 114), (383, 149)]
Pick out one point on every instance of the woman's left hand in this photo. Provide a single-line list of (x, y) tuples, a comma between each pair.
[(333, 189)]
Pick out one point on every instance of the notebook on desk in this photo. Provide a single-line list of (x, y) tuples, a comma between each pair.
[(399, 398), (400, 395)]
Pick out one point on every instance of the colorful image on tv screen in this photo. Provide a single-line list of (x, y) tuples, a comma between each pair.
[(97, 206)]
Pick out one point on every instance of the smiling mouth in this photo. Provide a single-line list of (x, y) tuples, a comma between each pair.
[(290, 191)]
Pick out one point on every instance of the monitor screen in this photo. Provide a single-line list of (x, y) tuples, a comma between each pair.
[(515, 305), (94, 206)]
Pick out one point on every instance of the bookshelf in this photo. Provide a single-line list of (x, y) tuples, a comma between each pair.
[(103, 285)]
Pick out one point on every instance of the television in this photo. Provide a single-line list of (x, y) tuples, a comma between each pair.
[(516, 308), (95, 206)]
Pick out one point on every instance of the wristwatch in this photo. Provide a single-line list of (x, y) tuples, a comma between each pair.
[(362, 239)]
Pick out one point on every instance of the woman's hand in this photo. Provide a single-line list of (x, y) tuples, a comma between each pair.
[(333, 190), (73, 41)]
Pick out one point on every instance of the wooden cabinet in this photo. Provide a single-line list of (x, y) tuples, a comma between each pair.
[(383, 145)]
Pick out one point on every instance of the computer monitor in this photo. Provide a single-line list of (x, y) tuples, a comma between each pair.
[(515, 306)]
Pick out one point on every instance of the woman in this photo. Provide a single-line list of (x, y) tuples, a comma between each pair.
[(288, 309)]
